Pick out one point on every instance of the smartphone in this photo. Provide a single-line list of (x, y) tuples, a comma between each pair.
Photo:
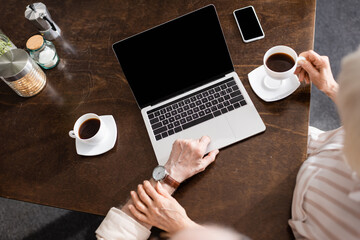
[(248, 24)]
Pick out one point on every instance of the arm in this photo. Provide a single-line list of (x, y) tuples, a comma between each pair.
[(186, 159), (156, 207), (122, 225), (140, 188), (316, 69)]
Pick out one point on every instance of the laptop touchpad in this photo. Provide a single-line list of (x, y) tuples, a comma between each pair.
[(217, 129)]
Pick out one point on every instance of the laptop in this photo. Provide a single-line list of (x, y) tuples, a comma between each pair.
[(184, 82)]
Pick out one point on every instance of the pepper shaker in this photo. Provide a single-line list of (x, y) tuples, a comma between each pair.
[(39, 15)]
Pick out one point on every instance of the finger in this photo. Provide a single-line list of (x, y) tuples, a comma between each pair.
[(150, 190), (210, 158), (306, 54), (137, 214), (302, 76), (138, 204), (297, 70), (204, 142), (297, 73), (176, 150), (308, 67), (161, 190), (143, 196), (314, 58), (325, 59), (307, 78)]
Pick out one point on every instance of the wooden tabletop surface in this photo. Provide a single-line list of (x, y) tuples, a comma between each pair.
[(250, 185)]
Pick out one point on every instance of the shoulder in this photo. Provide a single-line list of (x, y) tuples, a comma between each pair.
[(320, 141), (322, 205)]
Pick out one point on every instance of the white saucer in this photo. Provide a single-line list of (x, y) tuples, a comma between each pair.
[(287, 87), (105, 145)]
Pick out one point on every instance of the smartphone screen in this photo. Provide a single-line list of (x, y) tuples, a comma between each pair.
[(248, 24)]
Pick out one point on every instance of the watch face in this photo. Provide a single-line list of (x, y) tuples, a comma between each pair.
[(159, 173)]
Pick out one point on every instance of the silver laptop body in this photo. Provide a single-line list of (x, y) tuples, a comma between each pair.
[(217, 105)]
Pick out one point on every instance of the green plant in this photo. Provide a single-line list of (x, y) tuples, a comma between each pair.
[(4, 44)]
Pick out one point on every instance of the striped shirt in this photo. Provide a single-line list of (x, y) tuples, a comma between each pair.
[(326, 201)]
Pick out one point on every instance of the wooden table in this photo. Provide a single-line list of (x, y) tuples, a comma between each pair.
[(250, 185)]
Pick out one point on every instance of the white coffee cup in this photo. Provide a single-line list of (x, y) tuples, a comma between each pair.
[(274, 79), (99, 135)]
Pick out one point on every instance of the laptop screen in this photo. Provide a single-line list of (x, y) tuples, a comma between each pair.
[(174, 57)]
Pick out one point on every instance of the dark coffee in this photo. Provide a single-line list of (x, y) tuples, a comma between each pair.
[(89, 128), (280, 62)]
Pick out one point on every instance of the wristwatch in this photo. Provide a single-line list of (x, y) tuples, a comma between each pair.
[(160, 173)]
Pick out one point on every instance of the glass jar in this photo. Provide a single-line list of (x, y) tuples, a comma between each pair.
[(42, 51), (21, 73)]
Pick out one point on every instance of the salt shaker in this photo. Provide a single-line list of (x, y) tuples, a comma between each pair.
[(42, 51)]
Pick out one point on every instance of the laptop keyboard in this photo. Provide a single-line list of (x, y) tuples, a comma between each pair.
[(196, 108)]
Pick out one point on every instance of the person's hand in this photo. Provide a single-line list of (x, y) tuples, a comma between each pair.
[(187, 158), (317, 69), (156, 207)]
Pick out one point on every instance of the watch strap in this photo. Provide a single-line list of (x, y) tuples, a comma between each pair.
[(170, 181)]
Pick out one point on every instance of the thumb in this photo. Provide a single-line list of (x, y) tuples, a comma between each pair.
[(210, 157)]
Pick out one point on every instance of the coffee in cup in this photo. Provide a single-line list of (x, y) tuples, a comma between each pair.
[(280, 63), (89, 128)]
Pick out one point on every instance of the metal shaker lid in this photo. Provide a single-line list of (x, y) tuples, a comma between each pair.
[(35, 13), (14, 64)]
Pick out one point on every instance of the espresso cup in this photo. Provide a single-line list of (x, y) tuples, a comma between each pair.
[(280, 63), (89, 129)]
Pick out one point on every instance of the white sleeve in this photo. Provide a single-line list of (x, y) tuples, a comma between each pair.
[(313, 136), (120, 226)]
